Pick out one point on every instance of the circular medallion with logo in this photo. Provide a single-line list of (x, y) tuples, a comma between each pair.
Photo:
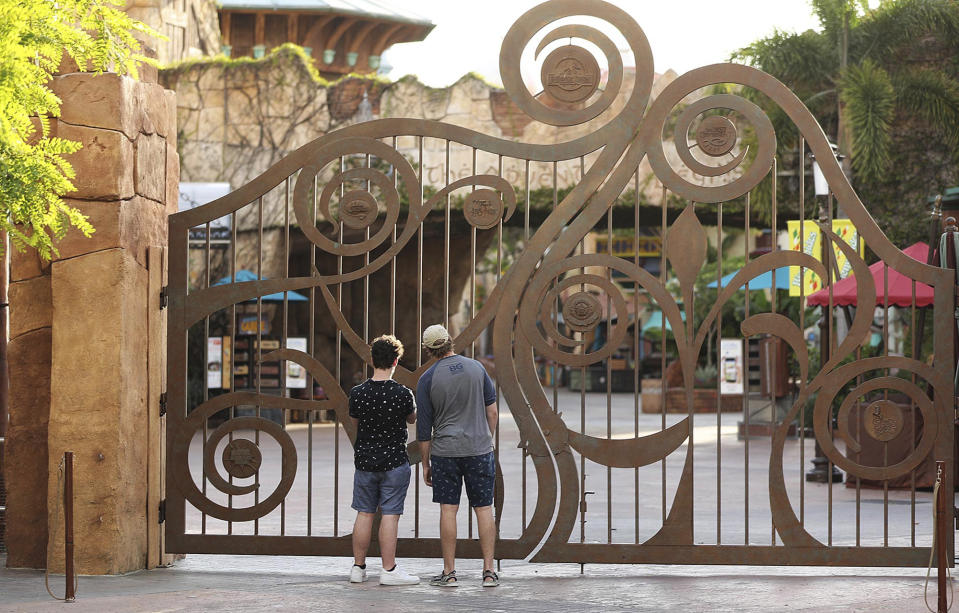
[(716, 135), (358, 209), (483, 208), (241, 458), (883, 420), (570, 74), (581, 311)]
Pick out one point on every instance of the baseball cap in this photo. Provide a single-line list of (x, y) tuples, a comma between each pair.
[(434, 336)]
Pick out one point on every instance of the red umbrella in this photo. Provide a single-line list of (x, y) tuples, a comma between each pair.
[(900, 286)]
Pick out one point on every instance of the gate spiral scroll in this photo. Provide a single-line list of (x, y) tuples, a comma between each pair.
[(549, 281)]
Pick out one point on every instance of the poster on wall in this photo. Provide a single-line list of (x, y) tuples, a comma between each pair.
[(806, 237), (731, 371), (295, 374), (214, 362)]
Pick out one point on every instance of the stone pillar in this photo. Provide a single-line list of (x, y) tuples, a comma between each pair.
[(96, 338), (25, 450)]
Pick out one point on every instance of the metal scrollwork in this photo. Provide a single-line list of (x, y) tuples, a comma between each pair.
[(551, 280)]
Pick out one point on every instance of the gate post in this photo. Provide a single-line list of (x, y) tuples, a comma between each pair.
[(80, 329)]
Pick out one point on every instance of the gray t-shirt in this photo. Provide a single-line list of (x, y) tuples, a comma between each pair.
[(451, 399)]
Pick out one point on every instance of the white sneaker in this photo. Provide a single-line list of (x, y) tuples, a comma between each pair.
[(357, 574), (397, 577)]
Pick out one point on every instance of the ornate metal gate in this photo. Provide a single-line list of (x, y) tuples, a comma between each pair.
[(242, 478)]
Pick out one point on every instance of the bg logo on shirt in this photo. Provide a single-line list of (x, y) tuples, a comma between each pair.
[(456, 367)]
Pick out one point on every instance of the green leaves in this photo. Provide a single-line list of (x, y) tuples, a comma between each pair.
[(870, 105), (34, 35)]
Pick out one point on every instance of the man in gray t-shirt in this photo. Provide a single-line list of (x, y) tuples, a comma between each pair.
[(456, 402)]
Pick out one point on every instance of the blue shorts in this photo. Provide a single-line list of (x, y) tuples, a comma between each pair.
[(478, 471), (384, 490)]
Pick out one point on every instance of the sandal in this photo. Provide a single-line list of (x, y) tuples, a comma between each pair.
[(444, 579), (490, 578)]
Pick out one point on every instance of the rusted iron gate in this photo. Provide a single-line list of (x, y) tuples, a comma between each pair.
[(243, 479)]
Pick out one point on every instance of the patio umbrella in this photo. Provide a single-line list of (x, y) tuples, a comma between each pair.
[(762, 282), (246, 275), (900, 286), (655, 322)]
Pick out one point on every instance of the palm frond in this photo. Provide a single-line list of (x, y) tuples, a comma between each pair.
[(870, 105), (933, 96)]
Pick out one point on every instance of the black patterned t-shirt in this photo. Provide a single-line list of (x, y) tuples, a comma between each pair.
[(381, 408)]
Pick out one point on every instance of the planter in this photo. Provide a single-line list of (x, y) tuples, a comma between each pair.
[(704, 401), (652, 395)]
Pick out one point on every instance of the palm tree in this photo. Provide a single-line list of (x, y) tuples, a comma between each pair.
[(884, 82)]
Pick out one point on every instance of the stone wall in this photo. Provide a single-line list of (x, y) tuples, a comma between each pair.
[(236, 118), (83, 339), (191, 27)]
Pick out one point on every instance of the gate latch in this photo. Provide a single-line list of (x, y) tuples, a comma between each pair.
[(161, 512), (164, 298), (163, 404)]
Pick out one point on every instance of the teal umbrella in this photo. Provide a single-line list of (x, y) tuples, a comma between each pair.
[(655, 322), (763, 281)]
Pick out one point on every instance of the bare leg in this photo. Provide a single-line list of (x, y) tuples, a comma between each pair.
[(388, 529), (362, 528), (448, 535), (487, 534)]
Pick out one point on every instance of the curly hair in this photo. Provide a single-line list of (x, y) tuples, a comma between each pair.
[(386, 350)]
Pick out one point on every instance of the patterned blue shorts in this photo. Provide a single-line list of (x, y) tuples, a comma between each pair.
[(384, 490), (478, 471)]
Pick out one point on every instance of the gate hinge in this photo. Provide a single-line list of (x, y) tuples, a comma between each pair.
[(164, 297), (162, 404), (161, 515), (955, 516)]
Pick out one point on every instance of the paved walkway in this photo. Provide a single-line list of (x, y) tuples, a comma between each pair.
[(256, 583)]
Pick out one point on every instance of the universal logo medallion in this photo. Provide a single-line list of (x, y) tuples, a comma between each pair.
[(358, 209), (581, 311), (241, 458), (716, 135), (883, 420), (483, 208), (570, 74)]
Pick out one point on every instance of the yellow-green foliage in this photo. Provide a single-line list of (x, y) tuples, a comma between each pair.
[(34, 35)]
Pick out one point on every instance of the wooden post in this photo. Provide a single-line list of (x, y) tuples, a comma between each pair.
[(226, 23), (292, 28), (259, 29), (70, 571)]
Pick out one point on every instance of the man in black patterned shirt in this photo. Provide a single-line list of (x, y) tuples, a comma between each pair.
[(380, 409)]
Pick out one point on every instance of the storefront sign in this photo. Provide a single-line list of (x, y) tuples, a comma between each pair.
[(295, 374), (810, 242), (731, 372)]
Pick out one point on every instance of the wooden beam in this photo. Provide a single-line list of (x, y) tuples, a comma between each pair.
[(338, 32), (314, 33), (226, 21), (383, 38), (259, 30), (357, 40), (292, 21)]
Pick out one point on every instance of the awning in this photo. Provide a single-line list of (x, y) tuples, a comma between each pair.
[(246, 275), (900, 286)]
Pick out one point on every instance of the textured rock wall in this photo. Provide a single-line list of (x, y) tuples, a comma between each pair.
[(191, 27), (78, 349)]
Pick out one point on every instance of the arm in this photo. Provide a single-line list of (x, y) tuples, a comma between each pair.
[(425, 460), (424, 426), (411, 417), (489, 396), (492, 414)]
